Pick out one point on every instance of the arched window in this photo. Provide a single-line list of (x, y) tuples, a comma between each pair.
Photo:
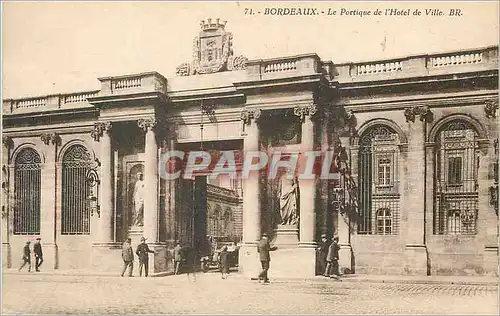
[(456, 179), (216, 220), (75, 216), (378, 174), (27, 183), (384, 222)]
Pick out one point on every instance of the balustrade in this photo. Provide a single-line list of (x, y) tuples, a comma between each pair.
[(457, 59), (374, 68), (127, 83)]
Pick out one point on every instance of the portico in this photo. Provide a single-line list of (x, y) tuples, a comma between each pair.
[(387, 144)]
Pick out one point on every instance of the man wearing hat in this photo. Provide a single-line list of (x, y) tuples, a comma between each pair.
[(128, 257), (142, 253), (332, 258), (26, 256), (37, 249), (263, 248)]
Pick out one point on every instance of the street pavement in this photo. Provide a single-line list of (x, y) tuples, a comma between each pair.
[(44, 293)]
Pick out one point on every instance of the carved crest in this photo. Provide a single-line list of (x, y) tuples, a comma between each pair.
[(212, 51)]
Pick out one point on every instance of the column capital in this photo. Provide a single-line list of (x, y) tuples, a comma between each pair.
[(247, 115), (424, 113), (99, 129), (147, 124), (50, 138), (490, 108), (305, 110), (7, 142)]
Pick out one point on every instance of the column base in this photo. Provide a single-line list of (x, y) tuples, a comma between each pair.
[(346, 265), (6, 255), (299, 262), (416, 260), (287, 236), (106, 257), (159, 260), (491, 260)]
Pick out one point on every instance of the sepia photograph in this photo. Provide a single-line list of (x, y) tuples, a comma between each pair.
[(252, 157)]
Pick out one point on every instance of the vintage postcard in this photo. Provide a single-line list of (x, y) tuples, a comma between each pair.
[(250, 157)]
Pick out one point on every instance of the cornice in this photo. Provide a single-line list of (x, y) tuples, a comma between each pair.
[(435, 101), (421, 80), (127, 98)]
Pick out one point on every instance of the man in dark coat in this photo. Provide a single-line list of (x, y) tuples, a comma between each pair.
[(323, 252), (332, 267), (263, 248), (37, 249), (128, 257), (142, 253), (26, 257)]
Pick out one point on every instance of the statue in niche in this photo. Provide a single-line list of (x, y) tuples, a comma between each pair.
[(138, 201), (288, 198)]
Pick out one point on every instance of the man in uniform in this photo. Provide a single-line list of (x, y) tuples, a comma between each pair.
[(128, 257), (142, 253), (26, 257), (37, 249)]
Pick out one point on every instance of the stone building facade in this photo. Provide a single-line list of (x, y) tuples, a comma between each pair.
[(415, 141)]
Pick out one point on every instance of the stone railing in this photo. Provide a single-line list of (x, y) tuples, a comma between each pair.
[(134, 83), (30, 103), (456, 59), (47, 103), (374, 68), (284, 67), (421, 65), (79, 97)]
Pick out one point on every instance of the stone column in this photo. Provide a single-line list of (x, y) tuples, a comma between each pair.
[(48, 198), (307, 222), (151, 180), (415, 196), (6, 191), (248, 260), (105, 222), (344, 219), (251, 199)]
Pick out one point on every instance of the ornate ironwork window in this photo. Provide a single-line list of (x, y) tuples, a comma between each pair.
[(384, 222), (456, 184), (378, 178), (27, 184), (75, 216)]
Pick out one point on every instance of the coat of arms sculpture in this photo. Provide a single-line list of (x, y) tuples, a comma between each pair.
[(213, 51)]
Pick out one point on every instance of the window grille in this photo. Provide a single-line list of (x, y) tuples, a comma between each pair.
[(378, 178), (75, 216), (27, 184), (456, 174)]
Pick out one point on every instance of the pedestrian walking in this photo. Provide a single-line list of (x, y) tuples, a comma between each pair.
[(177, 258), (26, 257), (224, 262), (142, 253), (323, 253), (263, 248), (332, 267), (128, 257), (37, 249)]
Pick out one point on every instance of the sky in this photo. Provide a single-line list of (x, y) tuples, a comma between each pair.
[(61, 47)]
